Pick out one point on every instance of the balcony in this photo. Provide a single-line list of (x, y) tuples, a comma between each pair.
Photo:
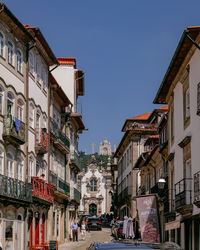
[(183, 196), (60, 140), (13, 130), (15, 189), (75, 161), (62, 188), (42, 190), (42, 142), (75, 195), (197, 189)]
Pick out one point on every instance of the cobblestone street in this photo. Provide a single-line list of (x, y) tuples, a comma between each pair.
[(100, 236)]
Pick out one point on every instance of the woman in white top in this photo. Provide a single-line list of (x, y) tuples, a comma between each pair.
[(83, 229)]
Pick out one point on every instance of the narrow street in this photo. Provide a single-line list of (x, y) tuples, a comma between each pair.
[(100, 236)]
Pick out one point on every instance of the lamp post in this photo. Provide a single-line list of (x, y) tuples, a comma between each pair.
[(161, 183)]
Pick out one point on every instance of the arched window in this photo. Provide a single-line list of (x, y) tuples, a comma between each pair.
[(10, 53), (20, 169), (10, 103), (19, 217), (31, 63), (1, 162), (20, 107), (1, 100), (31, 115), (93, 184), (10, 165), (1, 44), (19, 61), (44, 78)]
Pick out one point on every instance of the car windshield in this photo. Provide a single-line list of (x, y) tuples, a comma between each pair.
[(93, 220)]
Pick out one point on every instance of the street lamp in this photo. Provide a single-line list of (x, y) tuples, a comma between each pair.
[(161, 183)]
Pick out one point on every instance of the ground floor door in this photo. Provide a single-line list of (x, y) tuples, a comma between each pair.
[(93, 209), (188, 234), (19, 235), (37, 230)]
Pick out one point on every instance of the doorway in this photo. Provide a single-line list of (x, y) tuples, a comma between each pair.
[(93, 209)]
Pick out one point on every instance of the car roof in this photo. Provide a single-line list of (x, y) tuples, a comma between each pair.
[(119, 246)]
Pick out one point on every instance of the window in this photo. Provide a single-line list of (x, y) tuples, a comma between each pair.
[(38, 128), (57, 117), (20, 110), (93, 184), (1, 44), (31, 167), (38, 71), (31, 63), (10, 103), (31, 115), (10, 53), (1, 100), (1, 162), (172, 123), (19, 61), (10, 165), (187, 104), (44, 79), (20, 169), (44, 122)]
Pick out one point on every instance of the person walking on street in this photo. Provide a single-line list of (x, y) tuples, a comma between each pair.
[(75, 231), (111, 225), (83, 229)]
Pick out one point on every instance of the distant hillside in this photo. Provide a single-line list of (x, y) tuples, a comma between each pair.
[(85, 159)]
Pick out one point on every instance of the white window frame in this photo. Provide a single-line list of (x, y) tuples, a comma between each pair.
[(20, 169), (1, 162), (10, 53), (1, 99), (10, 165), (31, 63), (19, 61), (20, 109), (31, 114), (11, 100), (2, 44)]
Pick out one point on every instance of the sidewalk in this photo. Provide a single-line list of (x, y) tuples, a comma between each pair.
[(76, 244)]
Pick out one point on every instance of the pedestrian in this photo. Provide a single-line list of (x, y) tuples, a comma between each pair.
[(111, 225), (74, 227), (83, 229)]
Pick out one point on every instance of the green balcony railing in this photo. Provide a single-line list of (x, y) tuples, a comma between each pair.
[(60, 185), (13, 130), (77, 195), (15, 189), (75, 160), (59, 135)]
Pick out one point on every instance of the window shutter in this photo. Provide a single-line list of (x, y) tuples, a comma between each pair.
[(198, 99)]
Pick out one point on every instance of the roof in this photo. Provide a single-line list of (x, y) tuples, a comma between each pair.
[(59, 90), (178, 58), (143, 117), (16, 26), (35, 31), (78, 118), (67, 61), (163, 109)]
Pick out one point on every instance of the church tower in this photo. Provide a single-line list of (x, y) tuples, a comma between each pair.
[(105, 148)]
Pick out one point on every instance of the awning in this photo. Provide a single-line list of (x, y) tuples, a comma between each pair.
[(172, 225)]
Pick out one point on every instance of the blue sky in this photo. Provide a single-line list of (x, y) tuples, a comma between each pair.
[(124, 48)]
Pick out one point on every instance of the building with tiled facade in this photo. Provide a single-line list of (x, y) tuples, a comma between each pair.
[(38, 125)]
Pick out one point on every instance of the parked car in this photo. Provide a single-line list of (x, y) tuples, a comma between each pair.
[(94, 223), (133, 245), (83, 217)]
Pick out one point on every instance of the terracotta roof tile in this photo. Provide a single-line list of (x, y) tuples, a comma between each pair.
[(67, 61), (141, 117)]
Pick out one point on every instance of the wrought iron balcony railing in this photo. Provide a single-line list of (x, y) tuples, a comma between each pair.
[(74, 158), (42, 190), (197, 189), (183, 193), (59, 138), (13, 130), (42, 141), (75, 195), (15, 189), (60, 185)]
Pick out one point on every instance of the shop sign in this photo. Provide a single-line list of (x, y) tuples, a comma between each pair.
[(148, 217), (172, 225)]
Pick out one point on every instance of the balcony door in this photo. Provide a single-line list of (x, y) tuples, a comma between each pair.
[(37, 229), (38, 129), (188, 183)]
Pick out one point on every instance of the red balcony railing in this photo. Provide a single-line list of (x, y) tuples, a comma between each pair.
[(42, 190), (42, 141)]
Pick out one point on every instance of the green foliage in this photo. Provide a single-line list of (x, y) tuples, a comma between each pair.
[(102, 160)]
